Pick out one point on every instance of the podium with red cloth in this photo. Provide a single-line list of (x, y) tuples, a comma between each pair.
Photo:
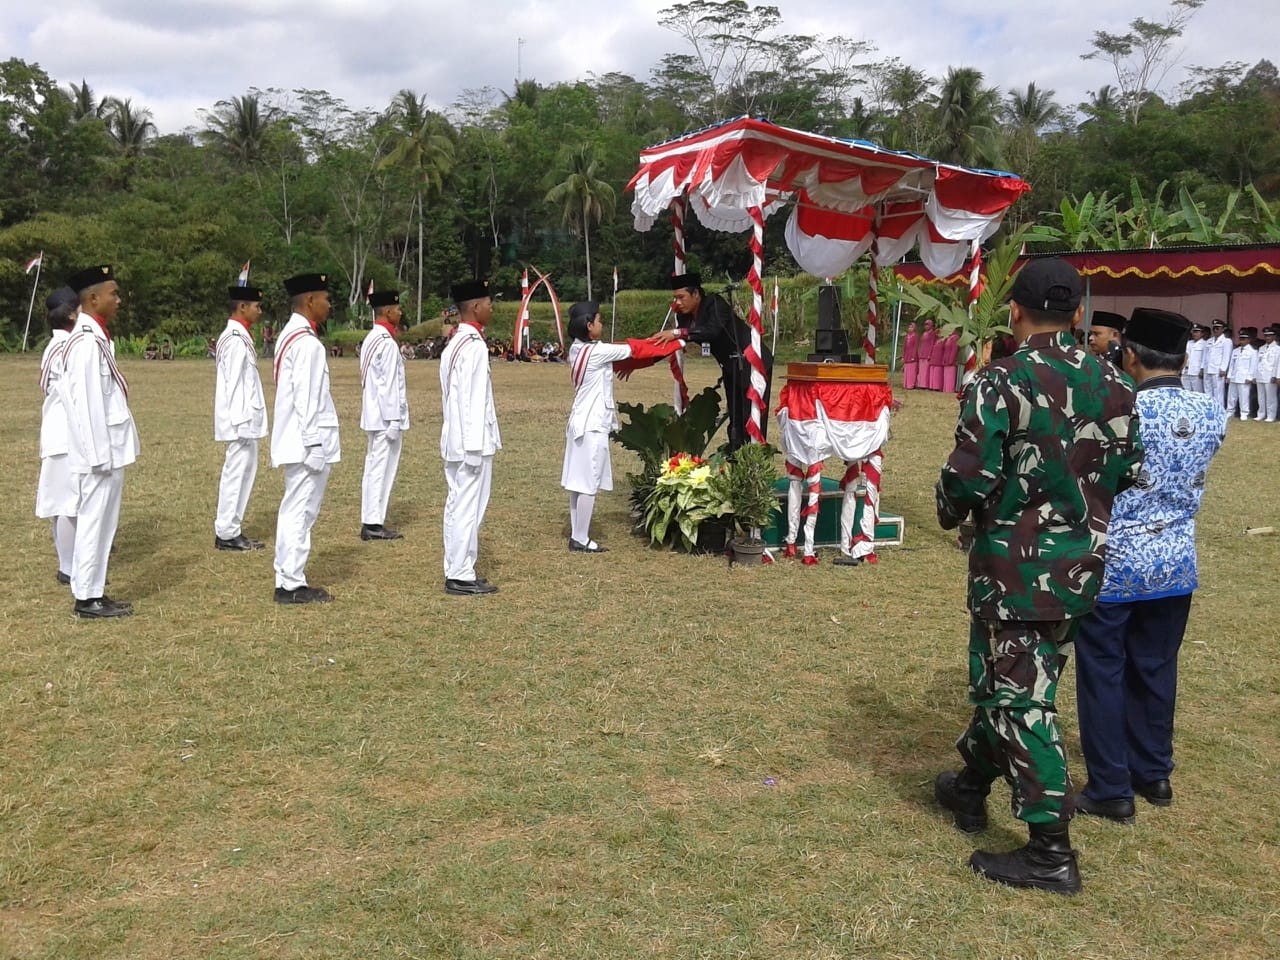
[(842, 410)]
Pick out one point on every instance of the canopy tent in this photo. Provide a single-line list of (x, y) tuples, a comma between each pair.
[(846, 197)]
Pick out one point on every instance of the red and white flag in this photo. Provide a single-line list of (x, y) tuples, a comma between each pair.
[(243, 280), (35, 261), (369, 292), (615, 279), (773, 303)]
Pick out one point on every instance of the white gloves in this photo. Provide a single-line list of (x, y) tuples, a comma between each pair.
[(314, 460), (472, 461), (393, 431)]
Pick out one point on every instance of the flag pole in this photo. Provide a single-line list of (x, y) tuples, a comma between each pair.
[(613, 313), (32, 305), (774, 348)]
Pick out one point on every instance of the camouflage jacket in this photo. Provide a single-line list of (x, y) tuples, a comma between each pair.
[(1045, 440)]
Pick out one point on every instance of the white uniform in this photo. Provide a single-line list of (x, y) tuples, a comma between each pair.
[(304, 417), (58, 491), (1268, 371), (384, 416), (469, 439), (587, 467), (1242, 371), (1217, 356), (1193, 368), (101, 441), (240, 421)]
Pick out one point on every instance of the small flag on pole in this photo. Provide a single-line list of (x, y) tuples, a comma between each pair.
[(615, 279), (773, 303), (35, 261), (244, 275), (369, 292)]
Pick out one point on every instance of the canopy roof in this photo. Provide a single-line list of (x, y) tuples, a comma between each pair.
[(845, 195), (1163, 272)]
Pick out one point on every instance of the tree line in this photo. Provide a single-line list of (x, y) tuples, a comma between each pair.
[(410, 196)]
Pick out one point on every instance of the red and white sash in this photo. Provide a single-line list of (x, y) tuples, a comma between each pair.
[(285, 344), (46, 369), (579, 370), (107, 355), (242, 333), (366, 355)]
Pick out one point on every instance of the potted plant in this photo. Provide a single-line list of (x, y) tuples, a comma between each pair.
[(687, 493), (751, 479)]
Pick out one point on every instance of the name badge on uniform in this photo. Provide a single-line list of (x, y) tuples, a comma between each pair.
[(706, 349)]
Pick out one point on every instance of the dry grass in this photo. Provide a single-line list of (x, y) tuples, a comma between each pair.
[(640, 754)]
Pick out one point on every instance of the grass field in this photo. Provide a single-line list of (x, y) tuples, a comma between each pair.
[(641, 754)]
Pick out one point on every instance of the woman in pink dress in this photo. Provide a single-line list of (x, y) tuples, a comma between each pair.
[(936, 366), (925, 356), (950, 356), (910, 358)]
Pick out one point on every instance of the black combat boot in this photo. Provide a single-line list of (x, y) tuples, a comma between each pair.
[(1047, 862), (965, 795)]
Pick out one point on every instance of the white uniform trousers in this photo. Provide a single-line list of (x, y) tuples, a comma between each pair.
[(303, 492), (1193, 382), (1268, 394), (1213, 387), (1239, 398), (239, 468), (381, 461), (98, 516), (463, 512)]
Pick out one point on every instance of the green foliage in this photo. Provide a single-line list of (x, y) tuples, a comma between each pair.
[(657, 432), (686, 492), (752, 475)]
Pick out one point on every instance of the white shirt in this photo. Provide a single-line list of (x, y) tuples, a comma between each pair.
[(1195, 357), (53, 417), (1218, 356), (239, 407), (470, 424), (305, 415), (1243, 367), (591, 370), (94, 394), (1268, 362), (385, 399)]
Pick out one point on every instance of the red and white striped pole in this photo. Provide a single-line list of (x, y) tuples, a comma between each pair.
[(754, 353), (873, 300), (975, 291), (676, 360)]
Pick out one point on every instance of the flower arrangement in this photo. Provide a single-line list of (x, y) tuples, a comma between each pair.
[(688, 491)]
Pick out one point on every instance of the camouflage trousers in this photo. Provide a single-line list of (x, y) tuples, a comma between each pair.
[(1014, 668)]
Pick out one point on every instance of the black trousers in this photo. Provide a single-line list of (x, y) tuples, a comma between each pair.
[(737, 380)]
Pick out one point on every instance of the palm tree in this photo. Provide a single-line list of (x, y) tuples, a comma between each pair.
[(239, 127), (1033, 110), (129, 128), (965, 120), (84, 105), (423, 150), (581, 196)]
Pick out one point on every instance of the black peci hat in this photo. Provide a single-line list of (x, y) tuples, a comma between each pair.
[(1101, 318), (244, 294), (466, 290), (62, 297), (686, 281), (79, 282), (1161, 330), (384, 298), (306, 283)]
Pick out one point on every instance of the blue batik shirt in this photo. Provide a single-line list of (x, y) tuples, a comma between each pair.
[(1151, 539)]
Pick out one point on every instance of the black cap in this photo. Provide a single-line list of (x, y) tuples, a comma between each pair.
[(1268, 331), (1247, 332), (686, 281), (1161, 330), (466, 290), (1101, 318), (90, 277), (245, 294), (580, 316), (306, 283), (1218, 323), (62, 297), (384, 298), (1051, 284)]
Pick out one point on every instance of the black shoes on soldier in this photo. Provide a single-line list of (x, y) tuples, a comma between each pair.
[(469, 588), (1158, 793), (102, 607), (1119, 810), (1047, 862), (238, 542), (303, 595), (965, 795), (376, 531)]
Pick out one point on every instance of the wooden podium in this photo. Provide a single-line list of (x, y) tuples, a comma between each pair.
[(839, 372)]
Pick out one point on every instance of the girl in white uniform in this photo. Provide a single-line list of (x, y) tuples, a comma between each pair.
[(58, 492)]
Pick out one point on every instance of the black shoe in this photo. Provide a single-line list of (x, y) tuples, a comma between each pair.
[(844, 560), (965, 795), (1158, 793), (238, 542), (589, 547), (376, 531), (469, 588), (1119, 810), (65, 580), (303, 595), (102, 607), (1047, 862)]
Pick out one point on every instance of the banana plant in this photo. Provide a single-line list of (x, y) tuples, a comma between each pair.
[(1267, 226), (1148, 221), (1090, 222), (1200, 229)]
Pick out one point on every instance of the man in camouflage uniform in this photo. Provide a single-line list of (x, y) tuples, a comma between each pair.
[(1045, 440)]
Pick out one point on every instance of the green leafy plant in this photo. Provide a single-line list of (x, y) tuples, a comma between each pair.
[(655, 433), (687, 491), (752, 475)]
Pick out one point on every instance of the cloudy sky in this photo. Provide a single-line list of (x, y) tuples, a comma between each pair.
[(178, 56)]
